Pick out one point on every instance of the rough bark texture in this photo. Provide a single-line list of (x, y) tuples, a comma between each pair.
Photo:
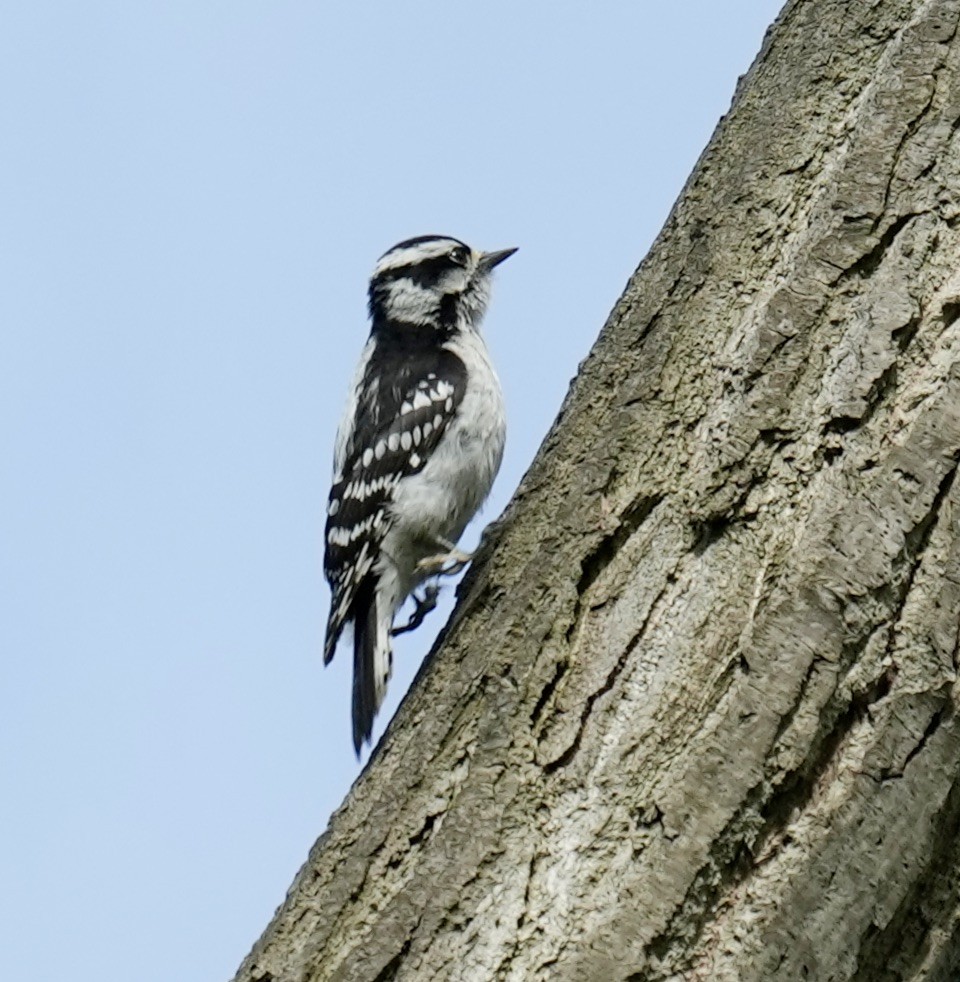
[(694, 717)]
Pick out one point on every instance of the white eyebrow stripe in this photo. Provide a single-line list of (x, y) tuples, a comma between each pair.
[(413, 255)]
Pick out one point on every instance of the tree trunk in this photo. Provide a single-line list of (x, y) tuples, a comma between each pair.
[(694, 716)]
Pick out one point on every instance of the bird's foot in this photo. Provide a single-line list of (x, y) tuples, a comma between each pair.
[(424, 605), (447, 563)]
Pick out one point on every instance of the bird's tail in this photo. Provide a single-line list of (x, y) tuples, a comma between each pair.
[(372, 659)]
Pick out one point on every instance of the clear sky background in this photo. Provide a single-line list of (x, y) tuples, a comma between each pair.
[(192, 195)]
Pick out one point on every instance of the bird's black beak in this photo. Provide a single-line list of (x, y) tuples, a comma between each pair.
[(490, 259)]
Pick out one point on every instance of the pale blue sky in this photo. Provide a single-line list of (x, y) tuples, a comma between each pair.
[(192, 195)]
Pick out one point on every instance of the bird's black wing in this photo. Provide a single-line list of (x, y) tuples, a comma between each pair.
[(400, 417)]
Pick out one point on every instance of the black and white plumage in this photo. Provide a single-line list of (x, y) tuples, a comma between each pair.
[(417, 450)]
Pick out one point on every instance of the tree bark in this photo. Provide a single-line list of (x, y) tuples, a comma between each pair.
[(694, 716)]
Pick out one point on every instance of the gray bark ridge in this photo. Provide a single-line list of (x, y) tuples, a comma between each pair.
[(694, 717)]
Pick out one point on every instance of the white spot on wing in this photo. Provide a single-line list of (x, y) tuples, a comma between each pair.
[(339, 536), (421, 400)]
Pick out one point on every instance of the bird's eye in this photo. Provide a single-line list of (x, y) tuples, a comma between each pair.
[(459, 256)]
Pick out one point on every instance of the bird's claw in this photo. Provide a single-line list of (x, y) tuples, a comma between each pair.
[(424, 605), (437, 565)]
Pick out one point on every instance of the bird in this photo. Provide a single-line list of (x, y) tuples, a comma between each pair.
[(416, 453)]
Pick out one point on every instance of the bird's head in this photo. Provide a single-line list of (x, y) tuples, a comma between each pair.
[(433, 282)]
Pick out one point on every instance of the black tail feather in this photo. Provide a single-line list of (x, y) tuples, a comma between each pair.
[(364, 683)]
